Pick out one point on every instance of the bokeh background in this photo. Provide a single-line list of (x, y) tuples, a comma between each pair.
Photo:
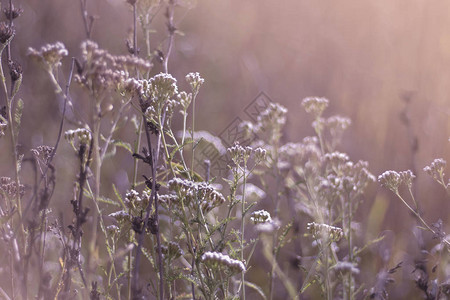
[(374, 61)]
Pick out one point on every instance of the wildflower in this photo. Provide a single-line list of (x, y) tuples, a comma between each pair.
[(336, 158), (9, 187), (436, 168), (120, 215), (172, 250), (260, 154), (274, 116), (132, 197), (204, 193), (217, 258), (260, 216), (391, 180), (338, 123), (239, 153), (406, 177), (112, 229), (324, 230), (82, 134), (50, 55), (42, 153), (195, 81), (163, 86), (185, 100), (346, 267), (315, 105)]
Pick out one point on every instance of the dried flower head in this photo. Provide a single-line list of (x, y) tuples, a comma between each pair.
[(391, 180), (406, 177), (42, 154), (346, 267), (99, 70), (260, 216), (185, 100), (436, 169), (239, 153), (195, 81), (120, 216), (81, 134), (200, 193), (330, 233), (274, 116), (223, 260), (315, 105), (9, 188), (163, 87), (50, 55), (260, 154)]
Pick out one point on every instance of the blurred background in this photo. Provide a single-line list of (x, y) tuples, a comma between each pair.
[(381, 63)]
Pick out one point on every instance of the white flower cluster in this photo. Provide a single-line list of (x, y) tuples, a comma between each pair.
[(315, 105), (273, 116), (50, 54), (436, 168), (346, 267), (223, 260), (391, 180), (162, 87), (82, 134), (195, 81), (239, 153), (102, 70), (120, 215), (197, 191), (260, 216), (324, 230)]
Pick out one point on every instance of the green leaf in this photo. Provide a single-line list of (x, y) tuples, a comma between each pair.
[(119, 197), (108, 201), (124, 145)]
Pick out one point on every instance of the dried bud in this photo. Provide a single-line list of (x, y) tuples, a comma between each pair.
[(6, 33), (15, 70), (12, 14)]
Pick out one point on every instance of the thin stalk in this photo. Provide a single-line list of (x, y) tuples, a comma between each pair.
[(243, 227), (417, 215), (9, 101), (171, 29)]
